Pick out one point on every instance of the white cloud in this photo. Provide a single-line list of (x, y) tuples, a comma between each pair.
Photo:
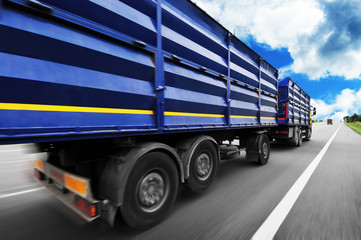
[(277, 23), (344, 104), (322, 36), (213, 8)]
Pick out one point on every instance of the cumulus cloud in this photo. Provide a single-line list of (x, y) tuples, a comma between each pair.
[(346, 103), (322, 36), (334, 49)]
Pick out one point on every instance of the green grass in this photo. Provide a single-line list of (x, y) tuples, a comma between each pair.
[(355, 126)]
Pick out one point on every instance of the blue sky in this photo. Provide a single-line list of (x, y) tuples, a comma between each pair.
[(315, 42)]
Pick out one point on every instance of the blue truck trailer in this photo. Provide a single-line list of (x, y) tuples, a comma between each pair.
[(294, 113), (130, 99)]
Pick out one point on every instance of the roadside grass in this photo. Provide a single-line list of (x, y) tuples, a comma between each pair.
[(355, 126)]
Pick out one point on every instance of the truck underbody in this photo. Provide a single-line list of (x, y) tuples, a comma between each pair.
[(138, 177)]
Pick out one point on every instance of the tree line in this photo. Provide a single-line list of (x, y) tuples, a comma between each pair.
[(354, 118)]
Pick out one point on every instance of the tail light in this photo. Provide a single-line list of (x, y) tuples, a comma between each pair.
[(39, 175), (90, 209)]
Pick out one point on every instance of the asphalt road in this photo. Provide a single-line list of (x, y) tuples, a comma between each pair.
[(240, 200)]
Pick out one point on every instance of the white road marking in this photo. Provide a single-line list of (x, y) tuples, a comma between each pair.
[(271, 225), (21, 192)]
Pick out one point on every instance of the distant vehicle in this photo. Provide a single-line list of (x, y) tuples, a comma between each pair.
[(329, 121)]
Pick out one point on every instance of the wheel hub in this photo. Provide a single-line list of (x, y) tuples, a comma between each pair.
[(265, 150), (152, 191), (204, 166)]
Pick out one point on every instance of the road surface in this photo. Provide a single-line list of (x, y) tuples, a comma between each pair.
[(238, 203)]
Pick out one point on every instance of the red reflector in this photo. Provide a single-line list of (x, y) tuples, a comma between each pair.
[(39, 175), (282, 132), (93, 211), (86, 207)]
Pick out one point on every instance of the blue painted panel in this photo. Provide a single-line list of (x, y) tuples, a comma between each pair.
[(59, 65), (244, 106), (133, 18), (299, 103), (89, 54), (43, 119), (178, 76), (63, 45), (185, 122)]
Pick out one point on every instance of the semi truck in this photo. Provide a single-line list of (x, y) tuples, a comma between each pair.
[(131, 99), (294, 113)]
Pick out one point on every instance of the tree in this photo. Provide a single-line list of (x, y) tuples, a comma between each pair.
[(354, 118), (346, 119)]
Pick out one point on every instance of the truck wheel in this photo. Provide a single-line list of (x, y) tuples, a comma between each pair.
[(202, 167), (258, 149), (299, 137), (296, 136), (151, 191), (308, 134), (264, 147)]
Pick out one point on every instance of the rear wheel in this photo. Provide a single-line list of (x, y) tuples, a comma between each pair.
[(264, 150), (296, 136), (151, 191), (202, 166), (258, 149), (308, 134), (299, 137)]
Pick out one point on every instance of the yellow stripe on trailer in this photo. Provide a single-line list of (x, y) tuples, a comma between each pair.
[(239, 116), (273, 118), (192, 114), (59, 108)]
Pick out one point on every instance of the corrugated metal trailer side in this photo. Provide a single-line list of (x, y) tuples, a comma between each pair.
[(294, 114), (86, 69), (296, 104)]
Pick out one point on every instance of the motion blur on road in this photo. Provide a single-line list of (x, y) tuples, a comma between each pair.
[(234, 207)]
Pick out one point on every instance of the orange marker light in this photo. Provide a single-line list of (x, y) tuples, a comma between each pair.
[(75, 184), (39, 165)]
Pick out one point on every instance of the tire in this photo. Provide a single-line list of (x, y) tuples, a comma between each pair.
[(299, 137), (308, 134), (296, 136), (259, 150), (151, 191), (202, 167), (265, 149)]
